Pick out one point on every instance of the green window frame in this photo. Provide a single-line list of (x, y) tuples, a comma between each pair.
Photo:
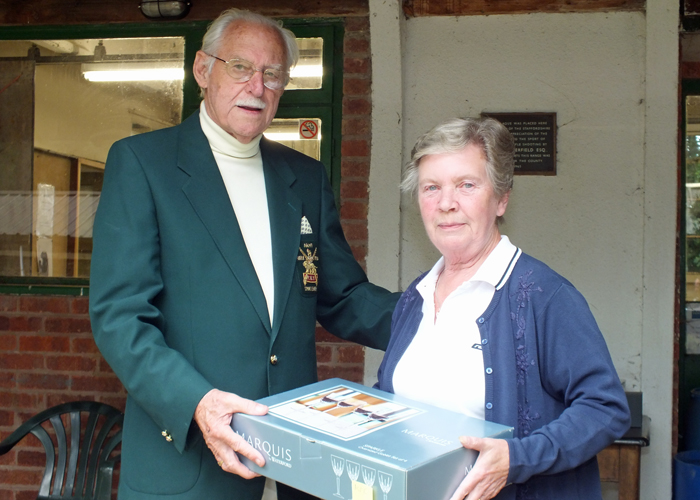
[(324, 103)]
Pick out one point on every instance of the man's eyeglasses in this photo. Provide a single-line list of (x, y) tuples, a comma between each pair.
[(242, 71)]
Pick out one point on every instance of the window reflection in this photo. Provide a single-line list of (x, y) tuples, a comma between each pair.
[(308, 73), (55, 155), (56, 128), (302, 134), (692, 225)]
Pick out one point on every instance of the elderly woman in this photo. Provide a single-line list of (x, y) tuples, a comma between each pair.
[(493, 333)]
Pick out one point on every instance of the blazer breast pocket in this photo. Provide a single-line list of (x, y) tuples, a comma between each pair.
[(308, 266)]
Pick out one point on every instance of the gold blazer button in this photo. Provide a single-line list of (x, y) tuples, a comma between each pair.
[(273, 359)]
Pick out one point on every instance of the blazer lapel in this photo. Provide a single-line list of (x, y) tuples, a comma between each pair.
[(207, 193), (285, 210)]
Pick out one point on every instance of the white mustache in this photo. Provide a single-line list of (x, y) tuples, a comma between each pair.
[(251, 102)]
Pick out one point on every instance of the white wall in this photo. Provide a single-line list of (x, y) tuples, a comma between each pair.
[(606, 221), (384, 224), (587, 221)]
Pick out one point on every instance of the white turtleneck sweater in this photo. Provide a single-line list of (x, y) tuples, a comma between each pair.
[(242, 170)]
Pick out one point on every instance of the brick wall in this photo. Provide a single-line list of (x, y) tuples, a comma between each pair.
[(47, 355), (344, 359)]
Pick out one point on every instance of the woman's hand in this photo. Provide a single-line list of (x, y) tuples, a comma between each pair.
[(490, 472)]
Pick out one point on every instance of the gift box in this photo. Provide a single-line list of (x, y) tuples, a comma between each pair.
[(339, 440)]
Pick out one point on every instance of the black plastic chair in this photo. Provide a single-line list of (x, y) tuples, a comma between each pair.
[(80, 459)]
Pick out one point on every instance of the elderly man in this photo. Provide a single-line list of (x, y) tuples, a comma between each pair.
[(215, 252)]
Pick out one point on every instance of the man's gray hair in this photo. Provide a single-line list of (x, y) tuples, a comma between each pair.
[(452, 136), (215, 33)]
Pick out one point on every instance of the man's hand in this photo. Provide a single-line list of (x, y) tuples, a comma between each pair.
[(490, 471), (213, 416)]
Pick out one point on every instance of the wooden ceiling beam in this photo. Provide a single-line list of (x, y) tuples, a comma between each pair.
[(420, 8), (62, 12)]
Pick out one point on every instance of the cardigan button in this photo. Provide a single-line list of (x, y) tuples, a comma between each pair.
[(481, 320), (489, 370), (484, 341), (489, 406)]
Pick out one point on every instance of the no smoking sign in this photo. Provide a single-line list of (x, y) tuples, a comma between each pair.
[(308, 129)]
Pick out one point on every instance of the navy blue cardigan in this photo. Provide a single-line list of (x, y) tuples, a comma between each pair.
[(548, 374)]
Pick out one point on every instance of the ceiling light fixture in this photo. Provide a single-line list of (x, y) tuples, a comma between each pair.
[(306, 70), (133, 72), (164, 9)]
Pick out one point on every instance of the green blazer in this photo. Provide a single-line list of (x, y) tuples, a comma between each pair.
[(177, 309)]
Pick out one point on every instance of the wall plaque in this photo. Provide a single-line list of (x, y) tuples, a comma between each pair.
[(535, 136)]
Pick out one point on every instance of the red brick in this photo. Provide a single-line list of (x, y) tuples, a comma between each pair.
[(118, 402), (356, 24), (351, 353), (108, 384), (8, 342), (71, 363), (356, 86), (42, 381), (355, 231), (324, 353), (37, 303), (7, 417), (356, 106), (356, 45), (27, 458), (351, 373), (68, 325), (20, 361), (44, 343), (80, 305), (357, 126), (12, 399), (356, 66), (8, 303), (355, 147), (7, 381), (9, 458), (28, 494), (85, 345), (354, 189), (20, 476), (354, 168), (21, 324), (353, 210)]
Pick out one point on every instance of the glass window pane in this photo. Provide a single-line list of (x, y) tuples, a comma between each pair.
[(308, 73), (692, 224), (48, 203), (302, 134)]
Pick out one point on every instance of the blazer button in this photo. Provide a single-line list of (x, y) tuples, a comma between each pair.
[(273, 359), (167, 436)]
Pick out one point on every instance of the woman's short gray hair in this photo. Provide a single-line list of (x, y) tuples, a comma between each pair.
[(452, 136), (215, 33)]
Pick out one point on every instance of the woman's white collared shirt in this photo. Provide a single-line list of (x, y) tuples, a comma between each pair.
[(443, 366)]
